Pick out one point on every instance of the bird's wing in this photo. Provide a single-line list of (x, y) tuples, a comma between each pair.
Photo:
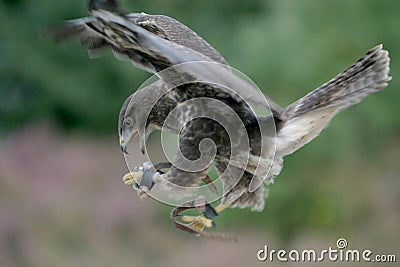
[(173, 62), (90, 33), (174, 31), (307, 117)]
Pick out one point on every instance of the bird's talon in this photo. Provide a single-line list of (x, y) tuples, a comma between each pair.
[(142, 178), (143, 192), (199, 222), (132, 178), (208, 223), (199, 228)]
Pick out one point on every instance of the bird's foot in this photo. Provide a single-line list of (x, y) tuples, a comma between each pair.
[(198, 224), (142, 178), (136, 176)]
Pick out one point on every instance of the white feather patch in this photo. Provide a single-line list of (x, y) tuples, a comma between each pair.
[(298, 131)]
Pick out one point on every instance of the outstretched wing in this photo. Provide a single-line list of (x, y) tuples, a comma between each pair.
[(158, 49), (307, 117), (90, 32)]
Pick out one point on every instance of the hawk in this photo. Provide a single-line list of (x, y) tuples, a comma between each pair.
[(191, 70)]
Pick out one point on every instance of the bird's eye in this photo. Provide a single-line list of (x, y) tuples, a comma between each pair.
[(128, 123)]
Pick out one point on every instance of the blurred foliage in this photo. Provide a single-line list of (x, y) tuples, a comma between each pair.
[(287, 47)]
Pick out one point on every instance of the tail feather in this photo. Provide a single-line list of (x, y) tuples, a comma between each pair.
[(368, 75), (307, 117)]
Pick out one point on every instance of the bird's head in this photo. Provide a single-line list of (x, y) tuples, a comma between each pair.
[(130, 124), (134, 117)]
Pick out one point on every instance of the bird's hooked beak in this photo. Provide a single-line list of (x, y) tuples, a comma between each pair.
[(124, 143)]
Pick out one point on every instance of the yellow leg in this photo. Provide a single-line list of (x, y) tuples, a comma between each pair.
[(132, 178), (221, 207), (199, 222)]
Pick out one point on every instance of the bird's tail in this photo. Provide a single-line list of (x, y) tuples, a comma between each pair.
[(303, 120), (368, 75)]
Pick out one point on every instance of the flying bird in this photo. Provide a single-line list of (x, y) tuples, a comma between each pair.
[(189, 71)]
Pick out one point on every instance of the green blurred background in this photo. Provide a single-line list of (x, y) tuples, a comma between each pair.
[(62, 201)]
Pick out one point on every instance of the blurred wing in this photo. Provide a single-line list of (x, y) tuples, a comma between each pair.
[(174, 31), (304, 119), (91, 34), (155, 54), (169, 58)]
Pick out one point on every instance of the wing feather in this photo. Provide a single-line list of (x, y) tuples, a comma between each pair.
[(155, 54)]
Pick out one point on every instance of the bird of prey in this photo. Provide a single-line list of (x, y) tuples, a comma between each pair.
[(189, 68)]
